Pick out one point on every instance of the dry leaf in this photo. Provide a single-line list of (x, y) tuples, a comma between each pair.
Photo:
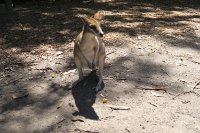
[(104, 100), (119, 107), (157, 94)]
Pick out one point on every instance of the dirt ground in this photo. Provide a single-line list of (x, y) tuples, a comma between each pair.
[(151, 75)]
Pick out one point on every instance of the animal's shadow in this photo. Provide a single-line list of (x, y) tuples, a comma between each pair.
[(85, 96)]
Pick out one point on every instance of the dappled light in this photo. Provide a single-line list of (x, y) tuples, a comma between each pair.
[(151, 69)]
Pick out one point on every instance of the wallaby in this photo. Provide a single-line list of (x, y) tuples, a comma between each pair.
[(89, 49)]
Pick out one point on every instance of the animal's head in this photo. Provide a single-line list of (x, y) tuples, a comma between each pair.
[(92, 23)]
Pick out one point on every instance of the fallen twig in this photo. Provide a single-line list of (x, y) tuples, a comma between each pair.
[(111, 78), (86, 131), (156, 89), (198, 83), (192, 91), (108, 78), (102, 95), (195, 61), (153, 104), (107, 117), (70, 71), (20, 96), (77, 118), (119, 107), (121, 78), (156, 94), (185, 92), (57, 123), (110, 53), (127, 130)]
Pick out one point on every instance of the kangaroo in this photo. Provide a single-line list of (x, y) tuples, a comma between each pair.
[(89, 49)]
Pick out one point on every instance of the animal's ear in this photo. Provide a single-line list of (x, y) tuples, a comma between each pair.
[(84, 19), (98, 16)]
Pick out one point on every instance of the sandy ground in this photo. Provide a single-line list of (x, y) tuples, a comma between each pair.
[(151, 75)]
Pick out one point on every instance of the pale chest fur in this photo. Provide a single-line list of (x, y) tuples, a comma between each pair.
[(89, 44)]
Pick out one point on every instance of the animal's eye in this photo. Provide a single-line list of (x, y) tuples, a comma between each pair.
[(92, 26)]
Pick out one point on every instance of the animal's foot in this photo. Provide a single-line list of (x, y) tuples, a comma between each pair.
[(93, 65), (98, 87)]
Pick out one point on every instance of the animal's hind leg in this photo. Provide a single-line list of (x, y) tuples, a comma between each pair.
[(94, 61), (80, 71), (101, 65)]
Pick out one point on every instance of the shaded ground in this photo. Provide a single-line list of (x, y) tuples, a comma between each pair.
[(150, 46)]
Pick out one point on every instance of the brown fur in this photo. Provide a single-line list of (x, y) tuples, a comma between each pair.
[(89, 49)]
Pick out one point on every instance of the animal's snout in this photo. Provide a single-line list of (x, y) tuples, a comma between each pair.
[(101, 34)]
